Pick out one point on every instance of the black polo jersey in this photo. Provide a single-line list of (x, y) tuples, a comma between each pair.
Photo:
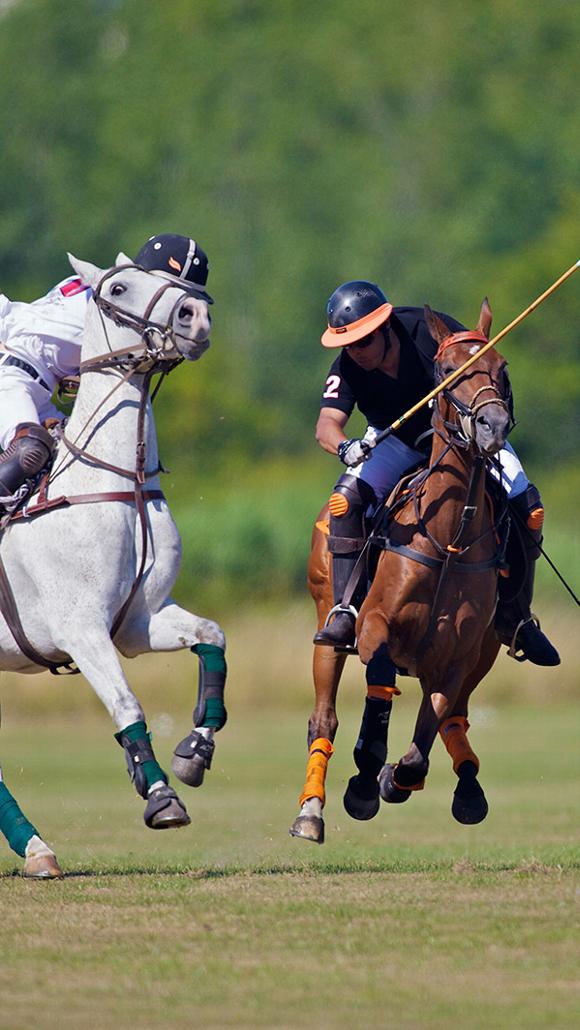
[(379, 397)]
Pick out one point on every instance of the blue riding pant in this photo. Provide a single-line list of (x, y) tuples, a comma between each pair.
[(392, 459)]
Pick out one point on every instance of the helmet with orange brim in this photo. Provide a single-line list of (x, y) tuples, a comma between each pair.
[(354, 310)]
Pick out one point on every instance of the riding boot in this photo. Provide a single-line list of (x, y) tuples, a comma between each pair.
[(340, 632), (347, 506), (515, 624), (29, 451)]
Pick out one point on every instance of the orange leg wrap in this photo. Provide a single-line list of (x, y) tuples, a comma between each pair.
[(320, 751), (454, 735), (383, 693)]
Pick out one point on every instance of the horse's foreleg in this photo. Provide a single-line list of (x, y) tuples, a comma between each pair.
[(361, 799), (322, 727), (170, 629), (96, 658), (39, 860), (469, 802)]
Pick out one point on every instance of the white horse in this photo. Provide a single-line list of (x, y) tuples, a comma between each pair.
[(80, 572)]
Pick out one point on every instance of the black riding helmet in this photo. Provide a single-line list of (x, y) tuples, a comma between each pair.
[(354, 310), (179, 259)]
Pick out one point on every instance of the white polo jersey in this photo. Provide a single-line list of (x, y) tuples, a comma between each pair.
[(47, 333)]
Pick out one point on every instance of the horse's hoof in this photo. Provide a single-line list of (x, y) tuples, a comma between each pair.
[(359, 807), (164, 810), (309, 827), (388, 790), (192, 757), (469, 803), (42, 867)]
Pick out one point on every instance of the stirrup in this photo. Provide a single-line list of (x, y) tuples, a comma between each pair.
[(341, 609), (514, 647)]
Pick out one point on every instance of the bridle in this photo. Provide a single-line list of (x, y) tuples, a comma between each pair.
[(158, 346), (464, 432)]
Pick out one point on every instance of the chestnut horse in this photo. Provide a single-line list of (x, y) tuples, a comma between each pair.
[(429, 611)]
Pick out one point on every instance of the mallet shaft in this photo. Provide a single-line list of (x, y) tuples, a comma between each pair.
[(459, 371)]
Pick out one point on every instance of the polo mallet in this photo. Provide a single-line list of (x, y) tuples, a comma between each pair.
[(369, 445)]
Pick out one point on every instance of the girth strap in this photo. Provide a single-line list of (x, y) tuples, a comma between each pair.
[(67, 501), (387, 544)]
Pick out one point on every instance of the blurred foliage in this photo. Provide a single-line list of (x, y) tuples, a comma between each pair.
[(432, 148)]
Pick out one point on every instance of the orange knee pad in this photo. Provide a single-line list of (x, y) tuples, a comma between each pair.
[(338, 505)]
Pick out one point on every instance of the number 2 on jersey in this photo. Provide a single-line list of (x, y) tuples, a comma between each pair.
[(332, 385)]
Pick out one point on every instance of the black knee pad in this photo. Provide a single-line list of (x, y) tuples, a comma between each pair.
[(347, 506)]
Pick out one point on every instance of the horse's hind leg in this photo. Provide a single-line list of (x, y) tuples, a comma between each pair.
[(361, 799), (170, 629), (39, 860), (469, 802)]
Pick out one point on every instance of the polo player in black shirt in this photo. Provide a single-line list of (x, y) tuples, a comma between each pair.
[(385, 365)]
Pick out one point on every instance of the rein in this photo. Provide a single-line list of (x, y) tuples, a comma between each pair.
[(154, 358)]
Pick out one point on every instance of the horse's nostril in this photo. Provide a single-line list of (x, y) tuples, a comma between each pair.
[(184, 313)]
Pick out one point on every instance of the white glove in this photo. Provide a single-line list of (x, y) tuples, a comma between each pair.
[(352, 452)]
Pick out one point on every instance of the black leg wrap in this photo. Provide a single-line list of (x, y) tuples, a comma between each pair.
[(370, 750), (361, 799), (136, 753), (210, 709)]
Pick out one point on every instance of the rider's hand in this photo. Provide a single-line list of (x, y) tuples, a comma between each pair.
[(352, 452)]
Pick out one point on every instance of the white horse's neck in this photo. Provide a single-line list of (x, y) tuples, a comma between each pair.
[(104, 421)]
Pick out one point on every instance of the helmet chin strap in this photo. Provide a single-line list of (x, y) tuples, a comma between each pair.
[(386, 340)]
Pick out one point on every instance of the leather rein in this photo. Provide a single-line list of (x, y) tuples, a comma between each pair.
[(153, 357)]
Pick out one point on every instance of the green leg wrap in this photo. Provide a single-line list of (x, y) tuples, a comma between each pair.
[(210, 710), (143, 767), (13, 823)]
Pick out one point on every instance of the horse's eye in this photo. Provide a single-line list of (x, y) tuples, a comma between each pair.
[(117, 289)]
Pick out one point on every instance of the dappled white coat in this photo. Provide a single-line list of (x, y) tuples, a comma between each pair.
[(72, 569)]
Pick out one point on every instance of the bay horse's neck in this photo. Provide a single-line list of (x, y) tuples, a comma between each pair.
[(446, 491)]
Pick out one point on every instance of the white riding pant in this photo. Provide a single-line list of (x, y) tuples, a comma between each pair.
[(392, 458), (22, 399)]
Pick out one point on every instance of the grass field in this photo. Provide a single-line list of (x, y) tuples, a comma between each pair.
[(410, 920)]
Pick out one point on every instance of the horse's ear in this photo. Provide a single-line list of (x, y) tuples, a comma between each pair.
[(485, 318), (89, 273), (439, 331), (122, 259)]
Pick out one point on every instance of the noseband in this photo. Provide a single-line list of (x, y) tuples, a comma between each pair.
[(465, 432), (157, 340)]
